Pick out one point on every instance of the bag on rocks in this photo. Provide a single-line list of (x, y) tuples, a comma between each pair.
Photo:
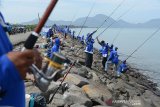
[(37, 100)]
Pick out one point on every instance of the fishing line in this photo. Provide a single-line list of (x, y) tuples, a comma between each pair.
[(117, 35), (153, 34), (75, 14), (115, 21), (111, 14), (87, 17)]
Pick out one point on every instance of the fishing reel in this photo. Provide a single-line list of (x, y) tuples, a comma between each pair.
[(53, 65)]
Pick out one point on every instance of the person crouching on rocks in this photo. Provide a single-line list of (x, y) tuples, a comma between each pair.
[(89, 50), (122, 68)]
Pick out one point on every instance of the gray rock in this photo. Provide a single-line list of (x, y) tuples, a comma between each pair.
[(95, 77), (97, 92), (77, 105), (155, 99), (76, 80), (76, 89), (71, 98), (83, 72), (58, 100), (102, 106)]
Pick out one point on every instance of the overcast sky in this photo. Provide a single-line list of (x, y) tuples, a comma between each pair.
[(17, 11)]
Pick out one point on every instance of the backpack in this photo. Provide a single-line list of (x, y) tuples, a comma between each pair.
[(37, 100)]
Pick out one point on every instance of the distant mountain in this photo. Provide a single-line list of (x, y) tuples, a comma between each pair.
[(97, 20), (48, 23)]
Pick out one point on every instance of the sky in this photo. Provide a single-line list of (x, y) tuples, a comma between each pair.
[(18, 11)]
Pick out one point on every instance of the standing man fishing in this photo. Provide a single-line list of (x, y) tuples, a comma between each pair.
[(112, 56), (89, 49), (104, 51)]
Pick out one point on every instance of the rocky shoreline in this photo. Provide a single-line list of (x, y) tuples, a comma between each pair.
[(93, 87)]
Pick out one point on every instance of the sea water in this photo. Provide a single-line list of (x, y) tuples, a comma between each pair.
[(147, 58)]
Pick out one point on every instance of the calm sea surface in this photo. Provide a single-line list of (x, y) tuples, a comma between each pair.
[(147, 58)]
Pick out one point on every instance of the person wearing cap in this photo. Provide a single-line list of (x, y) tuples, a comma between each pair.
[(13, 69), (49, 33), (54, 48), (115, 61), (113, 53), (82, 40), (111, 48), (73, 34), (104, 51), (122, 68), (89, 49)]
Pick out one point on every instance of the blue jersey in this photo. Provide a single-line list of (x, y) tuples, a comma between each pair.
[(122, 67), (104, 50), (12, 88), (56, 46)]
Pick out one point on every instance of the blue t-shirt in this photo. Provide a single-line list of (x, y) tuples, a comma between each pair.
[(11, 83)]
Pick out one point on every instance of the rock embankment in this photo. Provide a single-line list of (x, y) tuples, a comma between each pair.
[(94, 88)]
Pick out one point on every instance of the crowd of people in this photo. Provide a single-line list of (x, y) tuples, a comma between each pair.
[(109, 53), (15, 65), (16, 30)]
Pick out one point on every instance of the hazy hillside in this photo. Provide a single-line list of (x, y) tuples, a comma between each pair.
[(97, 20)]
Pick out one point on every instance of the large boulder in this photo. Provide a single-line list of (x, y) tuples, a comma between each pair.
[(77, 105), (83, 72), (57, 101), (75, 95), (94, 77), (97, 92), (76, 80), (150, 96)]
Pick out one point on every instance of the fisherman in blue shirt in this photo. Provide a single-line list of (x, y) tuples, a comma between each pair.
[(104, 51), (122, 68), (66, 29), (82, 40), (115, 61), (13, 68), (49, 33), (56, 46), (111, 48), (89, 50), (113, 53), (73, 34)]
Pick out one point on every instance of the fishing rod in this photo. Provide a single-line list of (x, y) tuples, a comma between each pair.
[(50, 100), (121, 54), (155, 32), (117, 35), (73, 18), (87, 17), (111, 14), (115, 21)]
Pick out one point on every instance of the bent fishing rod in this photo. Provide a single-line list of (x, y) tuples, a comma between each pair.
[(86, 18), (111, 14), (123, 14), (153, 34)]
